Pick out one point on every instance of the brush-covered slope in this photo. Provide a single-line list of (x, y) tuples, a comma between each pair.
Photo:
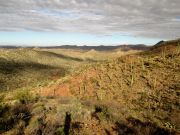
[(130, 95), (162, 46), (32, 67), (24, 67), (143, 86)]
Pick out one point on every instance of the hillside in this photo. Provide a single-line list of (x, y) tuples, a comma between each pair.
[(26, 67), (165, 45), (129, 94), (143, 86)]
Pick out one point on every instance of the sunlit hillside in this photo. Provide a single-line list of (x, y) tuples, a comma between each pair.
[(60, 91)]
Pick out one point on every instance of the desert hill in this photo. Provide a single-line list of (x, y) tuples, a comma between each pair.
[(133, 93), (144, 86), (166, 45)]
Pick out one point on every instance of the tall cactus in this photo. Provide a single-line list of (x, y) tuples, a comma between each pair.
[(178, 47)]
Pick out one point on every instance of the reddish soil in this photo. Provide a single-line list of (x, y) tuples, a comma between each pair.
[(56, 90)]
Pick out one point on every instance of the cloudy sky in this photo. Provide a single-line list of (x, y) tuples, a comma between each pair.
[(90, 22)]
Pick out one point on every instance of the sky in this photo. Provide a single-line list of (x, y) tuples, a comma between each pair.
[(88, 22)]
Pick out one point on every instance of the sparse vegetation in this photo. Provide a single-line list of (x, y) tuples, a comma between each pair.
[(54, 92), (25, 97)]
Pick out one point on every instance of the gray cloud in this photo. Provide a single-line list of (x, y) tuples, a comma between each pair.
[(150, 18)]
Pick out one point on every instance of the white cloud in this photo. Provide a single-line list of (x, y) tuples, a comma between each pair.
[(150, 18)]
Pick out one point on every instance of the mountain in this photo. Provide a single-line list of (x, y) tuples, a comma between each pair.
[(87, 48)]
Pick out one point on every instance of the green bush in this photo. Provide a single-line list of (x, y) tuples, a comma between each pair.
[(59, 131), (25, 97)]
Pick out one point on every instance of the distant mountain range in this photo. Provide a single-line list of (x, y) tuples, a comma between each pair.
[(103, 48), (100, 47), (87, 48)]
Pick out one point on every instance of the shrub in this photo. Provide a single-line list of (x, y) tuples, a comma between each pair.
[(60, 131), (101, 113), (38, 108), (2, 96), (25, 97), (3, 108)]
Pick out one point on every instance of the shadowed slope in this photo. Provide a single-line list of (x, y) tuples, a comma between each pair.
[(19, 74), (46, 53)]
